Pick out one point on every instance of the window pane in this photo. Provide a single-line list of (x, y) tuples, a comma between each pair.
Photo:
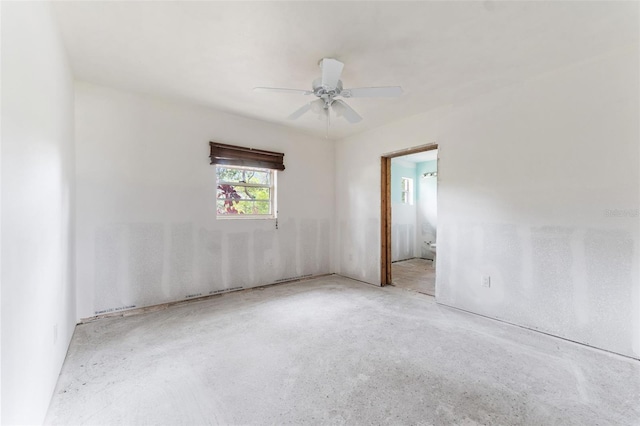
[(240, 192), (227, 192), (254, 207), (405, 184), (227, 174), (252, 193), (225, 207), (257, 176), (243, 207)]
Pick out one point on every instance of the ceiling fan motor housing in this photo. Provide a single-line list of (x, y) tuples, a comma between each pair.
[(326, 93)]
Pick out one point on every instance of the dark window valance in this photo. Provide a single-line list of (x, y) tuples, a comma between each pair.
[(231, 155)]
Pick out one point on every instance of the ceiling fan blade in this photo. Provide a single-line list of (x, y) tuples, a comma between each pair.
[(372, 92), (331, 71), (300, 111), (279, 90), (344, 110)]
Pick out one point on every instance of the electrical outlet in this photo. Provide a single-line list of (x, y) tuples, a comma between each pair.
[(486, 281), (55, 333)]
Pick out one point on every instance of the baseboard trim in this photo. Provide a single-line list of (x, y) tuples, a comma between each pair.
[(595, 348), (163, 306)]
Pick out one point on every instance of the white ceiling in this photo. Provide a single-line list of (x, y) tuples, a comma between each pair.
[(214, 53)]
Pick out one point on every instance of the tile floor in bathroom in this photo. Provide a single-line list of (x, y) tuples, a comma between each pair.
[(415, 274)]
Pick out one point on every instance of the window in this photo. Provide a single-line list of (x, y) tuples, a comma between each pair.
[(407, 190), (246, 181), (245, 192)]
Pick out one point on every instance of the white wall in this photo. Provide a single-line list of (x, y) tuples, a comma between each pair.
[(357, 247), (403, 215), (38, 296), (146, 226), (527, 176), (427, 208)]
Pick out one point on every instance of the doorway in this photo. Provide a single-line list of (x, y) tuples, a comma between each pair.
[(409, 218)]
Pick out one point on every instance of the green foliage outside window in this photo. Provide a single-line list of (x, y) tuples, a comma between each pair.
[(243, 191)]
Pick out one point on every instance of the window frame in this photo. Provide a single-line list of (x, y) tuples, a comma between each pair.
[(272, 186)]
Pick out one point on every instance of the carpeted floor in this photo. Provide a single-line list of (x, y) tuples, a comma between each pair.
[(334, 351)]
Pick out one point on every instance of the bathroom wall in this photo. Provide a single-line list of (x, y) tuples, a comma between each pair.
[(426, 208), (37, 191), (146, 226), (403, 216), (539, 189)]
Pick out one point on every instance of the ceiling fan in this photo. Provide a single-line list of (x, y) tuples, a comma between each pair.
[(328, 88)]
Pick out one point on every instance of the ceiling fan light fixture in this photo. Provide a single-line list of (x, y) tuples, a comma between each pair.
[(318, 106)]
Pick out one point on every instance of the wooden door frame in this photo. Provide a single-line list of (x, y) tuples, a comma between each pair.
[(385, 208)]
